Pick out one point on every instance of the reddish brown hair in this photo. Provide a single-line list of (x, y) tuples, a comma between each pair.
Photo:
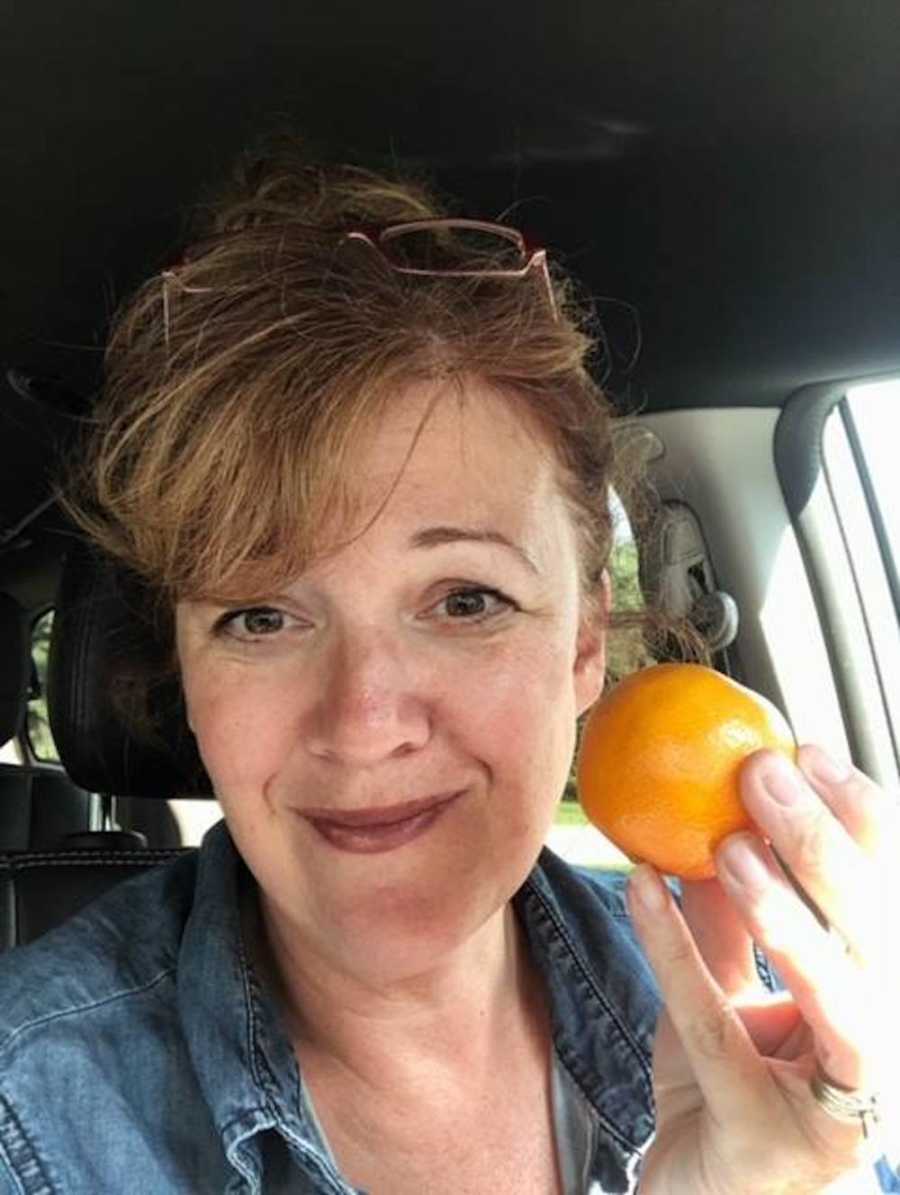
[(239, 381)]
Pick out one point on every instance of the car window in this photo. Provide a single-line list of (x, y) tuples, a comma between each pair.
[(859, 450), (572, 836), (873, 412), (37, 725), (11, 752), (194, 817)]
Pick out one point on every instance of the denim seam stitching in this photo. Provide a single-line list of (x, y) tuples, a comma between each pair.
[(259, 1065), (531, 890), (79, 1008), (313, 1157), (587, 975), (8, 863), (268, 1084), (260, 1069), (11, 1127)]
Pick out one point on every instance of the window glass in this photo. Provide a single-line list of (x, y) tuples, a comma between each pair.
[(626, 650), (194, 818), (40, 740), (864, 481), (11, 752), (572, 836), (875, 410)]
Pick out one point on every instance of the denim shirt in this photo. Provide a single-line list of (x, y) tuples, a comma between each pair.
[(140, 1053)]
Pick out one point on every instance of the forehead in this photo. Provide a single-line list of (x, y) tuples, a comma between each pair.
[(438, 456), (461, 453)]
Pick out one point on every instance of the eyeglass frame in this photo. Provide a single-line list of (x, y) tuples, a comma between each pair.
[(533, 258), (375, 235)]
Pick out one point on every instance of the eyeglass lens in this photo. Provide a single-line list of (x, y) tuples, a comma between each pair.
[(452, 248)]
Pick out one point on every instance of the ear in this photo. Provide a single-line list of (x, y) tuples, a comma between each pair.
[(590, 651)]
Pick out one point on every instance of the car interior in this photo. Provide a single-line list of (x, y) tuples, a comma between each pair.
[(723, 181)]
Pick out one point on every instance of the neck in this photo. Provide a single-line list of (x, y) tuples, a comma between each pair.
[(455, 1016)]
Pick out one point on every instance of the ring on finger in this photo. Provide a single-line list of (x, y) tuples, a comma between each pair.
[(846, 1104)]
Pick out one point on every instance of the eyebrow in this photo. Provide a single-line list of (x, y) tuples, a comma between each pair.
[(433, 537)]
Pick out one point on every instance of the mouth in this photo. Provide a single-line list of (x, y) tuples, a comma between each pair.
[(371, 831)]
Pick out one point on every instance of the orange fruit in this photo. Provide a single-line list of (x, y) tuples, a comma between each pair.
[(659, 761)]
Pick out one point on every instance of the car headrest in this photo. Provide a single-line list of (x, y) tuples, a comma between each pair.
[(15, 673), (105, 640)]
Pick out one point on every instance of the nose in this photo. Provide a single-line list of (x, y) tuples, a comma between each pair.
[(370, 703)]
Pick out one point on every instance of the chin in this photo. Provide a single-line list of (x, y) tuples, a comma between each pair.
[(404, 924)]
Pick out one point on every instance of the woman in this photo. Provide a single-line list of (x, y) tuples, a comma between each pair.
[(365, 469)]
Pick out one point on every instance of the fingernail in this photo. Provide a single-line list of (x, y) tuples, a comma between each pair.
[(743, 863), (829, 770), (782, 784), (648, 888)]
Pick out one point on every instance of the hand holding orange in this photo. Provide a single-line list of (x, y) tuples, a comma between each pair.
[(659, 761)]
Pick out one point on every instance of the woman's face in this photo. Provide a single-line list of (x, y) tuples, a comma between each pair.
[(390, 734)]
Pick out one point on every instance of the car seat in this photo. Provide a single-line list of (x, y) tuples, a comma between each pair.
[(39, 804), (103, 631)]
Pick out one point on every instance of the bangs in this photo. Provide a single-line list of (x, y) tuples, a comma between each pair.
[(240, 383)]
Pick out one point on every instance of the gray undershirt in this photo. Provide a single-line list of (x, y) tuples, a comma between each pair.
[(573, 1129)]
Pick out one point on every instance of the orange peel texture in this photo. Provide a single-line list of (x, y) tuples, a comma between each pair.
[(659, 762)]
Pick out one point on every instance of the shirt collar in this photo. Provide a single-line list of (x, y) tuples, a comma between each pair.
[(244, 1062), (604, 1001), (601, 998)]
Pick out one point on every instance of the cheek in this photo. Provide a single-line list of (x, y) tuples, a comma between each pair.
[(520, 715), (512, 709), (241, 730)]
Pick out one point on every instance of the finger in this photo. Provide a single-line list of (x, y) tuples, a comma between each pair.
[(829, 865), (776, 1026), (722, 938), (868, 814), (836, 998), (725, 1062)]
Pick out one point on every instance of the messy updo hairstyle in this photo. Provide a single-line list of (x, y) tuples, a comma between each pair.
[(239, 380)]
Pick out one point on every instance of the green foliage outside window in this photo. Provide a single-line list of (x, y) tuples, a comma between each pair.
[(38, 725), (626, 650)]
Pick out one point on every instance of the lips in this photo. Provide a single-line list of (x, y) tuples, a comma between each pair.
[(369, 831)]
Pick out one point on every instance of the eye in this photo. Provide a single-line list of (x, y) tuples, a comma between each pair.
[(475, 604), (257, 622)]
